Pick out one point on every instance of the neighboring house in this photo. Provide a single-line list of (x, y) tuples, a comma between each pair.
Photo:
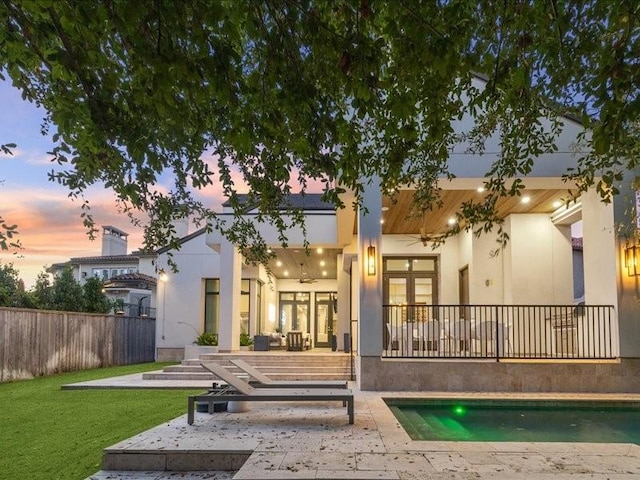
[(129, 278), (456, 317)]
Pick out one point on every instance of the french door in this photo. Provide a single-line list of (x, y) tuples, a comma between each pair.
[(326, 319), (294, 312), (409, 282)]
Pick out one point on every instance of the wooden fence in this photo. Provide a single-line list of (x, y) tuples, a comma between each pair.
[(43, 342)]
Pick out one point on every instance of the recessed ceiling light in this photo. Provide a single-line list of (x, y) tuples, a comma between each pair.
[(384, 209), (557, 204), (278, 263), (322, 264), (324, 273), (285, 273), (319, 251), (526, 199), (452, 221), (382, 221), (480, 189)]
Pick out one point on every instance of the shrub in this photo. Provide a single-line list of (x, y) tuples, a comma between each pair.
[(207, 339), (245, 340)]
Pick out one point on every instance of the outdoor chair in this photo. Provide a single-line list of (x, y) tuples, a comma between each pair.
[(263, 381), (491, 333), (462, 335), (239, 390), (429, 334)]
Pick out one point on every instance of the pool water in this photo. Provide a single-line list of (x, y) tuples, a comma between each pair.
[(518, 421)]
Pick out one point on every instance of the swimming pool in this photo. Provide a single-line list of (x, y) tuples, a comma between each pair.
[(518, 421)]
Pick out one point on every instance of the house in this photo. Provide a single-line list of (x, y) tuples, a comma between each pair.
[(129, 278), (459, 316)]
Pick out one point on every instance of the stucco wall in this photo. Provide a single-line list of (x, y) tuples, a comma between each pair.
[(184, 292), (628, 287), (540, 254)]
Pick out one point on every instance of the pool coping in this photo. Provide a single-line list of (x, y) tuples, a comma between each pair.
[(397, 439), (296, 442)]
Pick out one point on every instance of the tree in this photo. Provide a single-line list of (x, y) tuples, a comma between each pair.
[(67, 294), (8, 232), (9, 285), (43, 291), (95, 301), (334, 91)]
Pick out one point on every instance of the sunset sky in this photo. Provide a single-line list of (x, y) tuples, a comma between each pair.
[(49, 223)]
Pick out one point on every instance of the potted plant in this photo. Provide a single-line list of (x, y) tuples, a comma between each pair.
[(246, 342), (118, 306), (203, 344)]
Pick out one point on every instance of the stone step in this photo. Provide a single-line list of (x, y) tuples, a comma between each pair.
[(177, 460), (275, 360), (277, 366), (300, 375), (266, 369)]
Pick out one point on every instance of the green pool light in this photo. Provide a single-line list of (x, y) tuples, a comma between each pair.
[(459, 410)]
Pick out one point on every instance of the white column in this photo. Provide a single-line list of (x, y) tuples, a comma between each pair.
[(230, 281), (370, 311), (344, 320), (599, 251)]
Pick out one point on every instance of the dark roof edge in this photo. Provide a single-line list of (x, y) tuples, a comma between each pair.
[(567, 115), (183, 240)]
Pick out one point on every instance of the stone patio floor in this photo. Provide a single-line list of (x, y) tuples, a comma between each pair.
[(314, 441)]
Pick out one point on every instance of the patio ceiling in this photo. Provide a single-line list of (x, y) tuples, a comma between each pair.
[(398, 218), (308, 265)]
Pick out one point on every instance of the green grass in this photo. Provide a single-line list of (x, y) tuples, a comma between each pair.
[(48, 433)]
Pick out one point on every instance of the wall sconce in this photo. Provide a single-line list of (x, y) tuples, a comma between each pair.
[(162, 275), (371, 260), (632, 260)]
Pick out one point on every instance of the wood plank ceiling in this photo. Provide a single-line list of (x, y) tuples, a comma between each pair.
[(299, 264), (397, 219)]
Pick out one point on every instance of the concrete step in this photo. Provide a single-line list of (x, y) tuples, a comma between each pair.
[(300, 375), (277, 366), (187, 364), (266, 369), (177, 460)]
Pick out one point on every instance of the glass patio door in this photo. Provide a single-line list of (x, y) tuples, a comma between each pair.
[(410, 281), (326, 319), (294, 312)]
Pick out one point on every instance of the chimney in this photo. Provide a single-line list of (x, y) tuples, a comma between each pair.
[(181, 226), (114, 241)]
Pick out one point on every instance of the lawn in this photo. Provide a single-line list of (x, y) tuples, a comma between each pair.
[(47, 433)]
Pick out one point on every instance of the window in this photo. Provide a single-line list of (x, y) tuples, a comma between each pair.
[(211, 305), (245, 290), (259, 309)]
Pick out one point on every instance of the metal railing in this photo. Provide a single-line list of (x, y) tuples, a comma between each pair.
[(576, 332)]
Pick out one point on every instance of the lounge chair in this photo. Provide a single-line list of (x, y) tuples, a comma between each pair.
[(263, 381), (239, 390)]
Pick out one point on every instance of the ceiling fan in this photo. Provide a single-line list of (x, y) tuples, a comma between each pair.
[(303, 276), (425, 238)]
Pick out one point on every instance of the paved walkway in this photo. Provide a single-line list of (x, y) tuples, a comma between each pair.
[(309, 440)]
